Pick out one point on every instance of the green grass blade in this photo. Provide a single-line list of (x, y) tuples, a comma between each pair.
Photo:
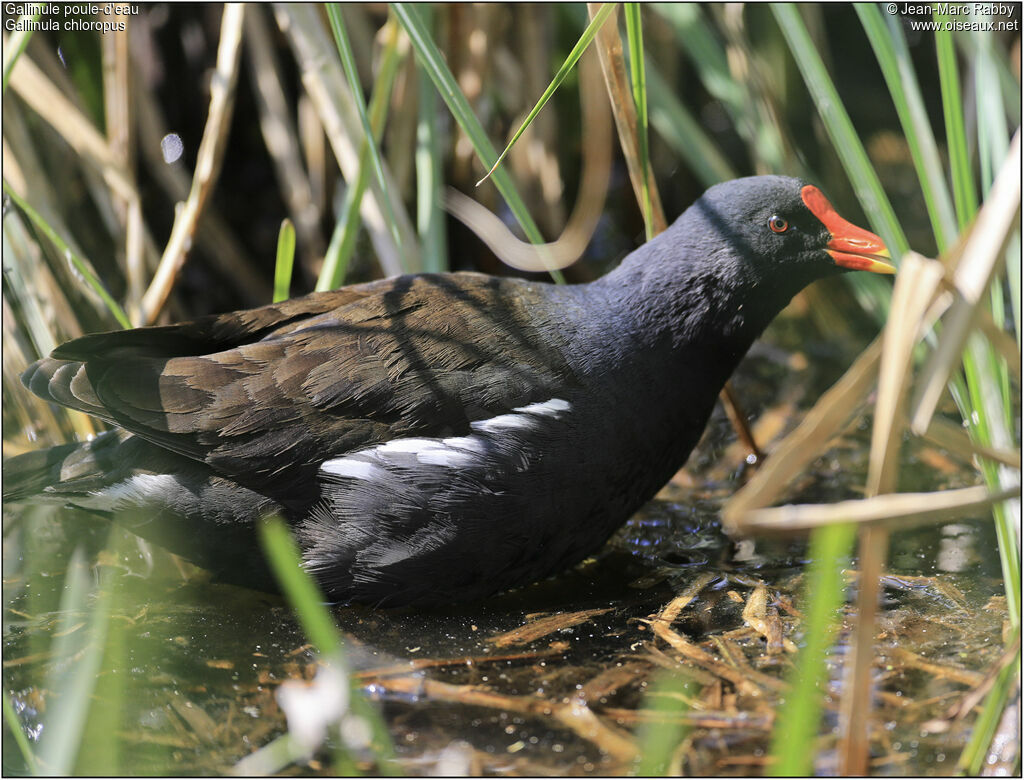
[(993, 145), (102, 748), (430, 215), (82, 266), (19, 263), (993, 137), (11, 718), (797, 726), (1009, 550), (567, 66), (298, 587), (346, 230), (17, 42), (965, 198), (840, 129), (285, 260), (702, 44), (433, 62), (348, 63), (307, 601), (678, 128), (987, 414), (659, 738), (894, 59), (973, 756), (430, 219), (638, 83), (79, 653), (1013, 271), (990, 397)]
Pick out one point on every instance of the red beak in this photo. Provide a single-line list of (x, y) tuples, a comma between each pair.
[(851, 247)]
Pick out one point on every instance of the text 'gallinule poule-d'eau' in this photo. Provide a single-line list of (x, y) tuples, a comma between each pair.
[(438, 436)]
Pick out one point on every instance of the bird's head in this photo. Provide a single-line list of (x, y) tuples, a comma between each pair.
[(735, 258), (781, 225)]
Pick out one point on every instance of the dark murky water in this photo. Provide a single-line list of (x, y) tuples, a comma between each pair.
[(188, 680)]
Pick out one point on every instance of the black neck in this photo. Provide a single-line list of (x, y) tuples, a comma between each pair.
[(716, 308)]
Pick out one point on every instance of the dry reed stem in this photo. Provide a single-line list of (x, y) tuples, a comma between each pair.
[(24, 172), (223, 249), (916, 286), (609, 49), (661, 625), (135, 267), (280, 135), (590, 200), (733, 656), (954, 438), (855, 705), (659, 658), (417, 664), (314, 150), (971, 277), (32, 86), (671, 611), (208, 161), (900, 655), (43, 97), (542, 627), (743, 683), (790, 459), (327, 88), (1002, 342), (695, 719), (755, 614), (573, 715), (609, 680), (120, 138), (898, 510)]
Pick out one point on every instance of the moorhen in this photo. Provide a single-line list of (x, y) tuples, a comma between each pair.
[(436, 437)]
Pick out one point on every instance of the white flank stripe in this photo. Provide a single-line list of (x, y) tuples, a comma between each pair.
[(524, 416), (503, 422), (453, 452), (549, 408), (350, 467), (408, 445), (445, 457)]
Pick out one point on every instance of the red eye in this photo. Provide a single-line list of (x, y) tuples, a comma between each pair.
[(777, 224)]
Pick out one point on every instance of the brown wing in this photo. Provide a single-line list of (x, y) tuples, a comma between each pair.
[(266, 395)]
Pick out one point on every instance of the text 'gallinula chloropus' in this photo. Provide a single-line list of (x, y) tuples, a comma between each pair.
[(437, 436)]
